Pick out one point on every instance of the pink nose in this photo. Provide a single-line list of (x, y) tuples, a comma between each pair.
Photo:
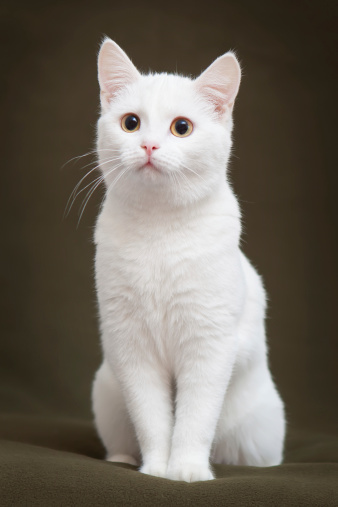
[(149, 147)]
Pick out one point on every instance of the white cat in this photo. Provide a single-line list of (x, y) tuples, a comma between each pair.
[(185, 377)]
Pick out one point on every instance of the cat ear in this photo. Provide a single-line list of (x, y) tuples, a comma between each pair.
[(219, 83), (115, 70)]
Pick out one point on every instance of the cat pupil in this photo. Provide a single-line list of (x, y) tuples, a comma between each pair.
[(131, 122), (181, 127)]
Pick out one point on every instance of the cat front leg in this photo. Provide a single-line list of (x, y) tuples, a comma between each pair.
[(202, 378), (147, 393)]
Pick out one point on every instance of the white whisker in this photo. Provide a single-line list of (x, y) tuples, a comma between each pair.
[(116, 180), (74, 193), (191, 170), (92, 190), (85, 201), (80, 191), (92, 152), (184, 178)]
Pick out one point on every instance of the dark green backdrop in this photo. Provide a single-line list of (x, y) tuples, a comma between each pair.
[(283, 171)]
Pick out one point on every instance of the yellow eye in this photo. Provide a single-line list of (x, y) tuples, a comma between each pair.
[(181, 127), (130, 122)]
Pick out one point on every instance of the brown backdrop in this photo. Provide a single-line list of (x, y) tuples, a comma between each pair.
[(283, 171)]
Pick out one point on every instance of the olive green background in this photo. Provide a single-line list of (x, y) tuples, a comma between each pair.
[(283, 170)]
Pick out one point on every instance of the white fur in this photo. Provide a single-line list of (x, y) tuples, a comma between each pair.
[(185, 377)]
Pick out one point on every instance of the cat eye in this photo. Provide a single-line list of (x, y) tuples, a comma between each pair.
[(130, 122), (181, 127)]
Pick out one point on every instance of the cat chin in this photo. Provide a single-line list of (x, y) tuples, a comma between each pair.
[(150, 168)]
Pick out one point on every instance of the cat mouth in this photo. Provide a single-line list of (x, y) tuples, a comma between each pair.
[(149, 166)]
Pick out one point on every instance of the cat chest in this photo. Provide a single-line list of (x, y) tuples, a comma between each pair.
[(152, 275), (156, 296), (162, 285)]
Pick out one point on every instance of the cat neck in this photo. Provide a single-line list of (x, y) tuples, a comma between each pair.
[(155, 213)]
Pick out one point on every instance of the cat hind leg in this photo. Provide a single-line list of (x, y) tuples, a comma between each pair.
[(256, 440), (112, 419)]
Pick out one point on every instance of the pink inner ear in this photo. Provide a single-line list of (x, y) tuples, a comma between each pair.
[(218, 96), (115, 70), (219, 83)]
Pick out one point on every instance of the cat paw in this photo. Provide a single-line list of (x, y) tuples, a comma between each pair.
[(158, 469), (189, 472), (122, 458)]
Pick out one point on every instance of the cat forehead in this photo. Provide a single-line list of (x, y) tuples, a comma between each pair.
[(160, 91)]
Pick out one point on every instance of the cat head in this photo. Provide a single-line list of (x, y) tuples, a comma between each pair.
[(161, 137)]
